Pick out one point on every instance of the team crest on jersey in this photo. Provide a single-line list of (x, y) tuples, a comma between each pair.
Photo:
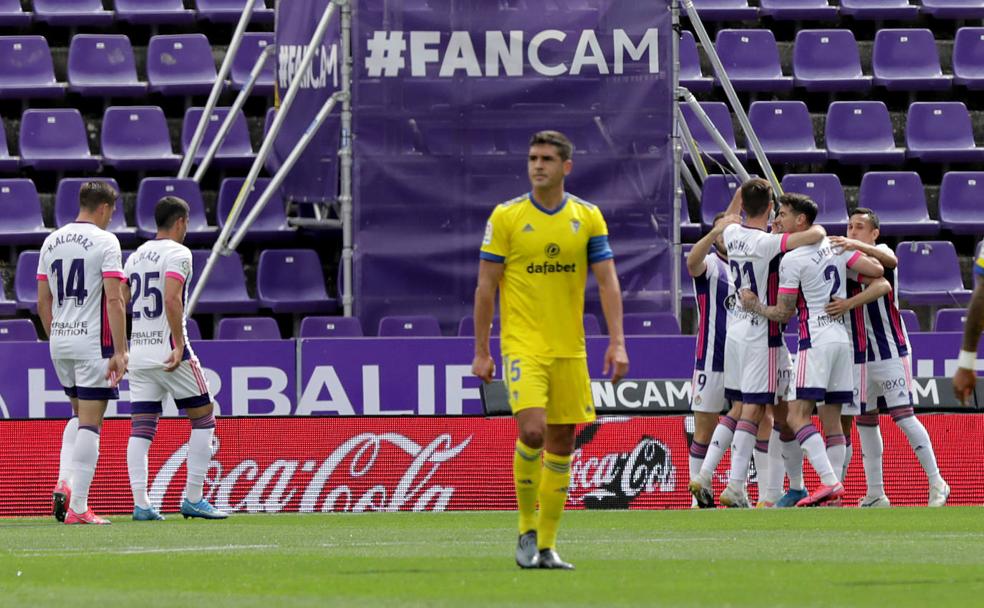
[(185, 267), (552, 250), (575, 226)]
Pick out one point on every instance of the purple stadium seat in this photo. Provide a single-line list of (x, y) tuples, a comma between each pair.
[(229, 11), (248, 328), (419, 326), (879, 10), (785, 131), (968, 58), (907, 60), (153, 189), (272, 221), (153, 12), (962, 202), (180, 65), (225, 290), (72, 12), (690, 72), (26, 69), (828, 60), (26, 281), (650, 324), (18, 330), (191, 326), (689, 231), (720, 117), (954, 9), (751, 60), (55, 140), (941, 132), (929, 273), (8, 163), (137, 138), (796, 10), (466, 327), (13, 15), (950, 319), (20, 213), (103, 65), (910, 320), (725, 10), (235, 151), (331, 327), (591, 325), (291, 280), (899, 200), (826, 191), (242, 64), (716, 194), (860, 133), (67, 206)]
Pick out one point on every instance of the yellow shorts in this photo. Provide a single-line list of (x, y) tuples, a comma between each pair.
[(560, 385)]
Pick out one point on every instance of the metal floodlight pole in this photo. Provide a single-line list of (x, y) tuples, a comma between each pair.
[(230, 118), (688, 141), (281, 175), (690, 181), (729, 91), (265, 149), (705, 120), (345, 162), (677, 248), (213, 96)]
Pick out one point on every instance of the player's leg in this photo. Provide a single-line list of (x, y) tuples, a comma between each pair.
[(85, 456), (146, 405), (62, 493), (760, 456), (790, 458), (706, 447), (847, 425), (724, 432), (800, 412), (872, 450), (758, 389), (836, 444)]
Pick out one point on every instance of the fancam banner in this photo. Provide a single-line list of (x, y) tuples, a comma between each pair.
[(430, 464)]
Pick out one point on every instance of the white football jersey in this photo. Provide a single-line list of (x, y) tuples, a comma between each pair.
[(74, 260), (816, 274), (754, 256), (712, 291), (887, 336), (147, 270)]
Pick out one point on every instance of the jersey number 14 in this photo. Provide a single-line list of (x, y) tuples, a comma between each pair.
[(73, 285)]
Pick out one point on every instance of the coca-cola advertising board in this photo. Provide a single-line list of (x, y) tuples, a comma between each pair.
[(272, 465)]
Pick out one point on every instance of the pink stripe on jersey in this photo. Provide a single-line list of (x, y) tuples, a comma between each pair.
[(114, 274), (788, 290), (702, 315), (908, 373), (176, 276), (864, 384), (42, 277), (893, 314), (854, 259), (782, 245), (801, 372)]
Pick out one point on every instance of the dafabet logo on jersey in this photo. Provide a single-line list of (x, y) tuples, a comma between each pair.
[(552, 250)]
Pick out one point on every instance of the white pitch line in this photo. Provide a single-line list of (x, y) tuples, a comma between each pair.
[(145, 550)]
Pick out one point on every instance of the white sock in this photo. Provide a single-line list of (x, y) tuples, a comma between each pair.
[(199, 455), (84, 459), (872, 448), (847, 461), (136, 463), (696, 457), (68, 444), (792, 457), (773, 486), (721, 440), (816, 451), (761, 460), (836, 452), (742, 447), (918, 438)]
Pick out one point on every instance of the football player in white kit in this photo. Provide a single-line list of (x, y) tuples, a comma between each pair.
[(809, 278), (754, 345), (889, 371), (162, 362), (81, 307), (965, 378)]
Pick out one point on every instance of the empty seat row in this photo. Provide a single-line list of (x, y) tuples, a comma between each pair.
[(104, 66), (820, 10), (829, 60), (152, 12), (21, 221), (132, 138), (856, 132)]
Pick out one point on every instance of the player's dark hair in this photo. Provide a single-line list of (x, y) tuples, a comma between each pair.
[(93, 194), (565, 149), (168, 210), (756, 197), (801, 205), (872, 216)]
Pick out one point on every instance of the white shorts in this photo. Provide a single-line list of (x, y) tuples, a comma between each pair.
[(825, 372), (750, 371), (890, 379), (708, 392), (860, 398), (85, 379), (784, 375), (186, 385)]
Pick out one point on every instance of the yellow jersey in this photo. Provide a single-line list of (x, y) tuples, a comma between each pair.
[(546, 256)]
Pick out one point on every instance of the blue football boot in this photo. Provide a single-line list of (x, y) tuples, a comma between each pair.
[(201, 509), (150, 514), (790, 498)]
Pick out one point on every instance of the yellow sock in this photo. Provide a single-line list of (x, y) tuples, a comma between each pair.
[(526, 474), (553, 496)]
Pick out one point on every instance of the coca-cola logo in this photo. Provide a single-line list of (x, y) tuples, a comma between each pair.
[(333, 484)]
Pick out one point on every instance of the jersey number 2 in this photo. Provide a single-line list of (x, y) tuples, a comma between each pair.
[(830, 274), (72, 286), (150, 291)]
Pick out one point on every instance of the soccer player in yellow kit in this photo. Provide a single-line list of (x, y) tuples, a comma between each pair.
[(536, 251)]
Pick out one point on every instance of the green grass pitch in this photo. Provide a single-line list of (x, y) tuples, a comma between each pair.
[(816, 557)]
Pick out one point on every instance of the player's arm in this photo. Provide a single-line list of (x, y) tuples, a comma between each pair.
[(814, 234), (116, 311), (45, 300), (866, 266), (782, 312), (616, 357), (965, 377), (695, 259), (876, 288), (884, 255), (174, 311), (489, 275)]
